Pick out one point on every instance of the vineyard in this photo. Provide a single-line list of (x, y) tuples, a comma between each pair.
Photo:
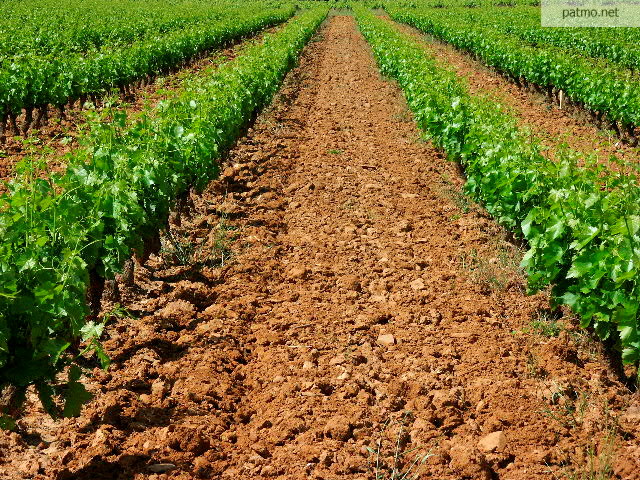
[(367, 240)]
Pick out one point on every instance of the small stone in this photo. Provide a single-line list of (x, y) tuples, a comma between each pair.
[(100, 437), (177, 310), (307, 365), (297, 273), (229, 436), (268, 471), (228, 172), (417, 284), (256, 460), (343, 376), (291, 188), (405, 227), (362, 322), (632, 415), (162, 467), (158, 388), (351, 282), (338, 360), (278, 379), (386, 340), (200, 463), (260, 449), (421, 425), (494, 442), (326, 458), (338, 428), (313, 355)]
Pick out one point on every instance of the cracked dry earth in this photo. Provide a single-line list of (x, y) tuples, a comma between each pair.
[(366, 305)]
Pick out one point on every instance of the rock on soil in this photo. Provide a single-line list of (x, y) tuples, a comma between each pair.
[(494, 442)]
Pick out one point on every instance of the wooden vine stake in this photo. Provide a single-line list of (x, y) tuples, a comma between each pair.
[(560, 98)]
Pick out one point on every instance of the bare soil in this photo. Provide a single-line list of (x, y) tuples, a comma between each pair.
[(331, 298)]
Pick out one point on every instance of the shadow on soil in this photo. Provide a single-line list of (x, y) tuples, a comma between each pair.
[(126, 468)]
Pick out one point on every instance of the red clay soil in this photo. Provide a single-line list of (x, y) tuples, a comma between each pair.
[(549, 123), (339, 297)]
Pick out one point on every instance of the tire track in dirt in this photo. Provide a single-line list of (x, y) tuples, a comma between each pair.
[(552, 125), (362, 286)]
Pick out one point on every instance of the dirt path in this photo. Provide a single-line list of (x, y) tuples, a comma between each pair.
[(364, 293), (552, 125)]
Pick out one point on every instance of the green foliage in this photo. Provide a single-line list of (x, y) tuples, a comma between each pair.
[(87, 26), (617, 45), (467, 4), (116, 193), (76, 394), (93, 59), (598, 86), (396, 461), (582, 223)]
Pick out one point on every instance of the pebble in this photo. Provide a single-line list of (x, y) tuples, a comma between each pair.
[(351, 282), (338, 428), (162, 467), (362, 322), (158, 388), (338, 360), (494, 442), (386, 339), (632, 415), (405, 226), (297, 272), (268, 471), (260, 449)]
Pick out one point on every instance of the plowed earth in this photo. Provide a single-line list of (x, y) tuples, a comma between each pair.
[(335, 296)]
